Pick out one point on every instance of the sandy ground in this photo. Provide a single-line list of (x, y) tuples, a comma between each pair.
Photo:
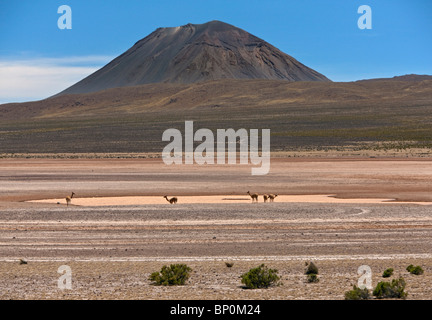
[(123, 201), (112, 247)]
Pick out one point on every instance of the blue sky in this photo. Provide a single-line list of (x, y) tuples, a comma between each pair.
[(37, 59)]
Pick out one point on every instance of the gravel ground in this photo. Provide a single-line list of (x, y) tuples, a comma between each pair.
[(112, 250)]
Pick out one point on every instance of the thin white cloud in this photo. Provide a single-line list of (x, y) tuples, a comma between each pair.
[(35, 79), (73, 60)]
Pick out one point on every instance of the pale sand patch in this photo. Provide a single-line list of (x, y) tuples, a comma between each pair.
[(143, 200)]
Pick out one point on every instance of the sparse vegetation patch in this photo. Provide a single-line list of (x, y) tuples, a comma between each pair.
[(175, 274), (388, 273), (260, 277), (417, 270), (393, 289), (357, 294)]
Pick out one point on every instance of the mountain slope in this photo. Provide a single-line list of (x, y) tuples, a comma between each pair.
[(247, 95), (194, 53), (373, 115)]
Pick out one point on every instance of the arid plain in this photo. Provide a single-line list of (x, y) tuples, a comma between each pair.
[(340, 213), (351, 166)]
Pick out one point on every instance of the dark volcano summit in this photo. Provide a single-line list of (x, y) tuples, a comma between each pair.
[(194, 53)]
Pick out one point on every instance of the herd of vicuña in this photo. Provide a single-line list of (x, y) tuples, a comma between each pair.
[(173, 200), (266, 197)]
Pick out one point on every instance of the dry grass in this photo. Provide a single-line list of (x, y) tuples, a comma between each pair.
[(303, 116)]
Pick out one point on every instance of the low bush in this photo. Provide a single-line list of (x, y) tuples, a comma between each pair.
[(260, 277), (388, 273), (312, 278), (417, 270), (311, 268), (395, 289), (175, 274), (357, 294)]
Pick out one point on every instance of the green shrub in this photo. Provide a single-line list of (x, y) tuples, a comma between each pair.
[(312, 277), (417, 270), (395, 289), (388, 273), (260, 277), (357, 294), (311, 268), (175, 274)]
